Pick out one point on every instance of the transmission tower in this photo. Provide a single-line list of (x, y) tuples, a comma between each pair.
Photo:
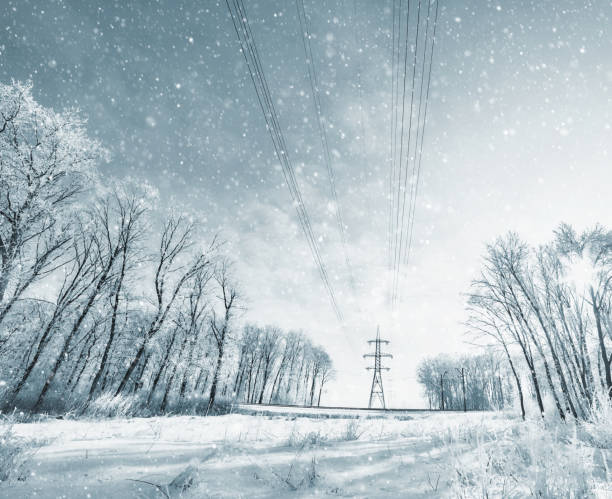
[(377, 392)]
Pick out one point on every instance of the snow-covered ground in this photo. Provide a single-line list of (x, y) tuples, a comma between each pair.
[(252, 456)]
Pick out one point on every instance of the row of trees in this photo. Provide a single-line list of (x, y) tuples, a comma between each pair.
[(548, 310), (274, 367), (102, 293), (469, 382)]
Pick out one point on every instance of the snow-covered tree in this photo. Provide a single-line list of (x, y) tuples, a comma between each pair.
[(46, 160)]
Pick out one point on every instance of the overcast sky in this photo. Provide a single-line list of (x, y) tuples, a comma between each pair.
[(518, 134)]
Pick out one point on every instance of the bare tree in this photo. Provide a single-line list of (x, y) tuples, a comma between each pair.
[(171, 275), (163, 364), (193, 322), (108, 245), (75, 284), (125, 211), (326, 373), (484, 320), (269, 350), (220, 323)]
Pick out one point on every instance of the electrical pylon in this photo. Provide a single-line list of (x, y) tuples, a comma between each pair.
[(377, 392)]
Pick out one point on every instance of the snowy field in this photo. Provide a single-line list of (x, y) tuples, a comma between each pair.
[(254, 456)]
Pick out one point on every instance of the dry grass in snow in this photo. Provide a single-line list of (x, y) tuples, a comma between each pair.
[(430, 455)]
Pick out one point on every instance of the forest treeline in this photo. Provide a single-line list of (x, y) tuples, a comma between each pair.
[(105, 297), (548, 311), (476, 382)]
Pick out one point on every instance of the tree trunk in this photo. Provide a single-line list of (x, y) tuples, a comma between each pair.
[(205, 382), (92, 297), (162, 366), (606, 361), (138, 383), (276, 380), (298, 380), (162, 407), (319, 398), (312, 387), (185, 377), (529, 358), (172, 376), (5, 274), (254, 387), (63, 352), (84, 360), (30, 367), (196, 386), (264, 382), (213, 387), (536, 309), (130, 369), (113, 326), (517, 379), (238, 381)]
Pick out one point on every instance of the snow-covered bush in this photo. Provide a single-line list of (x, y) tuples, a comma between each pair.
[(352, 431), (304, 476), (597, 430), (107, 405), (532, 459), (309, 439), (301, 474), (15, 452), (327, 435)]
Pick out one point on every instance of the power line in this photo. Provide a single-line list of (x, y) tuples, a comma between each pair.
[(393, 130), (412, 199), (322, 127), (414, 65), (401, 150), (282, 154), (398, 247), (253, 60), (359, 43), (404, 223), (433, 42)]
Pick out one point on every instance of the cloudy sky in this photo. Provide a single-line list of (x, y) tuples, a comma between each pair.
[(519, 127)]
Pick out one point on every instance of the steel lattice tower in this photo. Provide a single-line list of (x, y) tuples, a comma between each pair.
[(377, 392)]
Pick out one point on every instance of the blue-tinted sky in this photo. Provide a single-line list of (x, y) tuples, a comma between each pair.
[(519, 127)]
